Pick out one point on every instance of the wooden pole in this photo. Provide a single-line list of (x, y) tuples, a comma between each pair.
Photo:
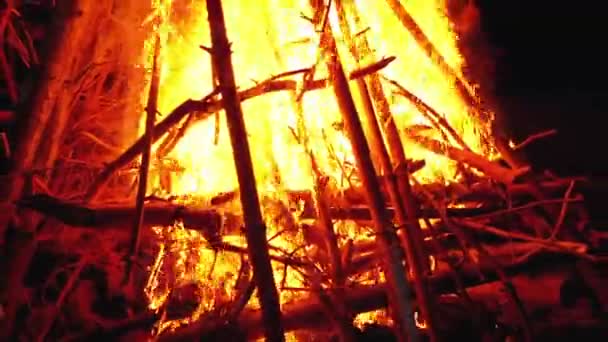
[(398, 187), (388, 243), (255, 228)]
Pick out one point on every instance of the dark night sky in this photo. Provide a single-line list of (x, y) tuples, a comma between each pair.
[(552, 73)]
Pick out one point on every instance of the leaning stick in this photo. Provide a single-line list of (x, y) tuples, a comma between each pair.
[(402, 201), (151, 109), (255, 229), (400, 163), (388, 243)]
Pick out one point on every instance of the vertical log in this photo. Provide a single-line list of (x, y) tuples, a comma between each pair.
[(398, 187), (399, 290), (255, 228)]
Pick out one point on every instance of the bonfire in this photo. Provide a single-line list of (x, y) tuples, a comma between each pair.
[(282, 169)]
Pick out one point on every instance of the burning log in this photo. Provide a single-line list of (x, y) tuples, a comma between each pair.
[(398, 185), (254, 223), (211, 221)]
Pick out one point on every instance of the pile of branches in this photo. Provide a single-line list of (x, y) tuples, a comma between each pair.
[(482, 234), (502, 227)]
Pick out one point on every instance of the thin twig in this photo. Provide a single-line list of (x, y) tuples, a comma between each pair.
[(559, 222), (573, 248), (526, 206), (563, 210), (151, 110), (534, 137)]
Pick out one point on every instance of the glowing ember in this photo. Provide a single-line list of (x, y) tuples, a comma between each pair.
[(271, 37)]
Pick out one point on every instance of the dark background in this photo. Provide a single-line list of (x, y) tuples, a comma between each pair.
[(551, 72)]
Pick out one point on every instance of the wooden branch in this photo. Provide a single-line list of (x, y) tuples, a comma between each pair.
[(572, 248), (211, 221), (255, 228), (204, 109), (491, 169), (195, 218), (396, 170)]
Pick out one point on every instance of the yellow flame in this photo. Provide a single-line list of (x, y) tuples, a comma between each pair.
[(259, 30), (270, 37)]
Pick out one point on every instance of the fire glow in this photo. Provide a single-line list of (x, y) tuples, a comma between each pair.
[(269, 38)]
